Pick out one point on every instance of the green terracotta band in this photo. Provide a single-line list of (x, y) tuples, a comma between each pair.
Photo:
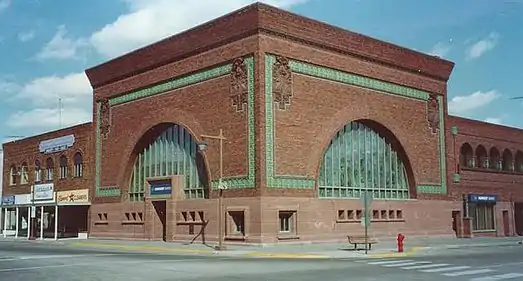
[(241, 181), (277, 181)]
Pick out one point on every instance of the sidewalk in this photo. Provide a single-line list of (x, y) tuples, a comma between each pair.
[(384, 249)]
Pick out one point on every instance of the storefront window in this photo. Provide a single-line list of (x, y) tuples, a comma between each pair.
[(11, 219), (482, 216)]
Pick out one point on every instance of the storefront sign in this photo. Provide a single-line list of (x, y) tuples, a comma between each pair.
[(8, 200), (22, 199), (475, 198), (73, 196), (160, 187), (57, 144), (43, 192)]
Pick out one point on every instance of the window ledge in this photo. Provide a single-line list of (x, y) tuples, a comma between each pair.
[(190, 222), (283, 236), (494, 171), (132, 222), (372, 220), (484, 231), (101, 222), (238, 237)]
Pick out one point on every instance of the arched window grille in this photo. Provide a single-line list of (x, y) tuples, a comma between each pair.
[(359, 159), (173, 152)]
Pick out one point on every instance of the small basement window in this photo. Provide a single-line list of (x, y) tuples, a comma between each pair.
[(287, 222), (237, 223)]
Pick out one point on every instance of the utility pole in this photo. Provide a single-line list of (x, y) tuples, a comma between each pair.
[(60, 112)]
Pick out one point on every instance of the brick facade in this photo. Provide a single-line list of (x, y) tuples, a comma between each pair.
[(280, 86), (26, 150)]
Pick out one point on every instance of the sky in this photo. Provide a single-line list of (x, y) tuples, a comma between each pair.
[(45, 46)]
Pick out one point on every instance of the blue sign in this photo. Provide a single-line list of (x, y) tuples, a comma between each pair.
[(8, 200), (475, 198), (160, 187)]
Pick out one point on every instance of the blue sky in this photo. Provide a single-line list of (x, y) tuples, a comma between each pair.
[(46, 45)]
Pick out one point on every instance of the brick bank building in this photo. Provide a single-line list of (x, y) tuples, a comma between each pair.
[(312, 117)]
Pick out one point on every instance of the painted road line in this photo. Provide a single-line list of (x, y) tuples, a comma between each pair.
[(36, 257), (425, 266), (468, 272), (287, 255), (388, 262), (396, 254), (367, 260), (406, 263), (498, 277), (443, 269)]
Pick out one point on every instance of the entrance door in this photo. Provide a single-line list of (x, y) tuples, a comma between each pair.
[(455, 218), (518, 217), (506, 223), (161, 207)]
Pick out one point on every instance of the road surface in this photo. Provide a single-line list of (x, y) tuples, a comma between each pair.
[(46, 262)]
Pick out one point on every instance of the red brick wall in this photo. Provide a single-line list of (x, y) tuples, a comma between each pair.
[(203, 108), (26, 150), (320, 108), (503, 183), (261, 18)]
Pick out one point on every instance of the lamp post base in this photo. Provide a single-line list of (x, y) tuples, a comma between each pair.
[(220, 248)]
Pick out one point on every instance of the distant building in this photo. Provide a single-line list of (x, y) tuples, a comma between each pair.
[(48, 178), (313, 117)]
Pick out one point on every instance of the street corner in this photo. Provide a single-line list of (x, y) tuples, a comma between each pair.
[(286, 255), (141, 248), (394, 254)]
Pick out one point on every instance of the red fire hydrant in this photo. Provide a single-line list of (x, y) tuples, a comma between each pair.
[(400, 239)]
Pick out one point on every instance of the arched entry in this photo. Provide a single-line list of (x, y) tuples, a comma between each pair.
[(166, 150), (360, 157)]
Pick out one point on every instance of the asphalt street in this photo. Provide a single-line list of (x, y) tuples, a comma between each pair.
[(43, 262)]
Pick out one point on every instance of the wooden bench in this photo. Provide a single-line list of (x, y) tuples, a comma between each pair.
[(360, 239)]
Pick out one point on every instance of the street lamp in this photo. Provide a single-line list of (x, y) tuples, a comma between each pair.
[(202, 146)]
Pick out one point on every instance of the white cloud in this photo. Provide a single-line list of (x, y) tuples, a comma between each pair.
[(49, 118), (466, 104), (479, 48), (4, 4), (44, 93), (441, 49), (26, 36), (147, 21), (494, 120), (61, 46)]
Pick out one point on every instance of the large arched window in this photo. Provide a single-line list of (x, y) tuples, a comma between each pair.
[(63, 167), (358, 159), (507, 161), (172, 152), (24, 174), (78, 165), (519, 161), (38, 171), (13, 175), (466, 156), (495, 159), (49, 166), (482, 157)]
